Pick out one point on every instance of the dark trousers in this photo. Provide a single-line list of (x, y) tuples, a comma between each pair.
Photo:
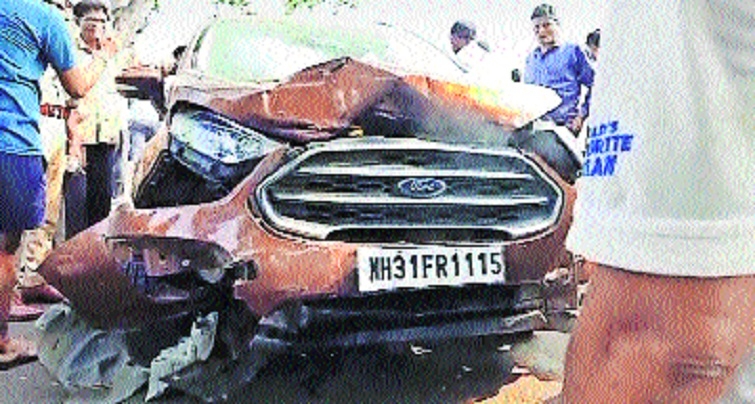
[(88, 195), (75, 195), (100, 164)]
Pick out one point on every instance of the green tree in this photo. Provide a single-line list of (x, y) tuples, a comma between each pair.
[(294, 4), (233, 2)]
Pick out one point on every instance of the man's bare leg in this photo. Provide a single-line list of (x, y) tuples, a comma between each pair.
[(7, 283), (13, 351), (644, 338)]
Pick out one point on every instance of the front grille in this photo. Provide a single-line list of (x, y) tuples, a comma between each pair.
[(353, 188)]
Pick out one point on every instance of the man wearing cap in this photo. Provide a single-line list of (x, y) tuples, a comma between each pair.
[(32, 36), (666, 216), (560, 66)]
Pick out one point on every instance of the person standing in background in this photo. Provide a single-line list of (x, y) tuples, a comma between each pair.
[(100, 118), (592, 45), (468, 51), (560, 66), (477, 58)]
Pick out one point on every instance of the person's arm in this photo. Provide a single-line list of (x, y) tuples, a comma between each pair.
[(58, 50), (529, 75), (585, 77), (78, 80)]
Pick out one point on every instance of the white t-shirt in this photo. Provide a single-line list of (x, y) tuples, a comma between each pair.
[(669, 178)]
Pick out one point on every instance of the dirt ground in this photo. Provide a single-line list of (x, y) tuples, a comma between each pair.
[(527, 389)]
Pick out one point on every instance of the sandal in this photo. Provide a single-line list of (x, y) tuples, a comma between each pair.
[(22, 312), (45, 294), (17, 351)]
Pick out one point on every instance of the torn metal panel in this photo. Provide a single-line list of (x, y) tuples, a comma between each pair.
[(344, 92), (87, 273), (218, 380), (91, 364), (94, 365), (194, 348)]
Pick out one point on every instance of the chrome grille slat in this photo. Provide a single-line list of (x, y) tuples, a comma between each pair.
[(387, 200), (353, 186), (406, 171)]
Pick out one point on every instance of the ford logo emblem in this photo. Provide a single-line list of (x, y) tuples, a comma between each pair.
[(422, 187)]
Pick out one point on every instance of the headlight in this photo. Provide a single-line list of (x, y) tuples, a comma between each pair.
[(212, 144)]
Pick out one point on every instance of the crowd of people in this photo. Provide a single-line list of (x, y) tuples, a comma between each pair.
[(668, 233)]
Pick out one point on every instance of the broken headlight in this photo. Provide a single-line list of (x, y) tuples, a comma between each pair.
[(214, 146)]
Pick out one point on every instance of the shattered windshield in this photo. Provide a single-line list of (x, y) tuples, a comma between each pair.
[(259, 51)]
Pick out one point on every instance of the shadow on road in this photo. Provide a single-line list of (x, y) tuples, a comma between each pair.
[(451, 373), (447, 374)]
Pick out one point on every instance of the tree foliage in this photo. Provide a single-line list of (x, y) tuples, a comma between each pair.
[(291, 5), (294, 4), (233, 2)]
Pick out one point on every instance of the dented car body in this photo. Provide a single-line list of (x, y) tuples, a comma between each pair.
[(323, 186)]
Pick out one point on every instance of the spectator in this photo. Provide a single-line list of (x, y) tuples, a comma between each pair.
[(666, 220), (464, 45), (592, 45), (100, 118), (462, 34), (32, 36), (560, 66), (476, 57)]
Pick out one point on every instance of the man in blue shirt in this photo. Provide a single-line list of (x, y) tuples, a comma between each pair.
[(32, 36), (562, 67)]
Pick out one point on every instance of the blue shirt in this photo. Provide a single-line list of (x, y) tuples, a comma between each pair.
[(32, 36), (564, 69)]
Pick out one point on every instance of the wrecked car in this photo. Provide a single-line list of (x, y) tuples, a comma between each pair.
[(313, 187)]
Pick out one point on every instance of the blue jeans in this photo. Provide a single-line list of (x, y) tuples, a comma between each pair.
[(22, 192)]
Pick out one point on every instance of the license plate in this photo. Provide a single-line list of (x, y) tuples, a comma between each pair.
[(421, 267)]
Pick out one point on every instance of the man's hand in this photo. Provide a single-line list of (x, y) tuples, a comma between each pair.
[(74, 136), (79, 80), (108, 48), (575, 125)]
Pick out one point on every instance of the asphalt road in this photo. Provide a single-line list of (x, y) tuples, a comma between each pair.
[(450, 374)]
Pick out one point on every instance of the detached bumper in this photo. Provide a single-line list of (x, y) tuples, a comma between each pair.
[(421, 315)]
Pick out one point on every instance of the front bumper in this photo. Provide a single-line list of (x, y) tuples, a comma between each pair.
[(406, 316)]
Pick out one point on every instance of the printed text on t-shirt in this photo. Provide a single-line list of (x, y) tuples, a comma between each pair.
[(605, 143)]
